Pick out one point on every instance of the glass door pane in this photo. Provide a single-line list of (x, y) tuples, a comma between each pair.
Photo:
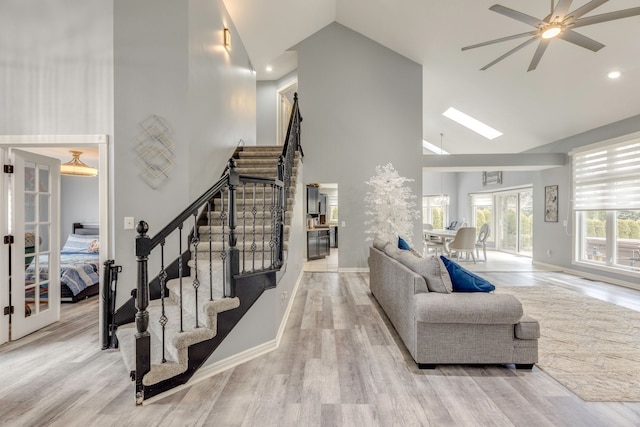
[(525, 240), (508, 228)]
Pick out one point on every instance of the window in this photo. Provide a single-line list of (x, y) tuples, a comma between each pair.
[(434, 213), (606, 193)]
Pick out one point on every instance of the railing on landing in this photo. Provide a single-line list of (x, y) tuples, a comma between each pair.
[(262, 248)]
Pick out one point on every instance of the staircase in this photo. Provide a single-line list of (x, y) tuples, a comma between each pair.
[(237, 243)]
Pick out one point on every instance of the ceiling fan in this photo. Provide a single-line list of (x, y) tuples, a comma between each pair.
[(558, 24)]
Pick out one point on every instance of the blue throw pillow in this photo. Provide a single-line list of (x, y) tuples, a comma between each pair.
[(465, 281), (402, 244)]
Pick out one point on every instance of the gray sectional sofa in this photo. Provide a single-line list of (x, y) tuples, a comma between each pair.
[(443, 327)]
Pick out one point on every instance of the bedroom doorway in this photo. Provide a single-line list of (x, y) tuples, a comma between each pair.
[(34, 143)]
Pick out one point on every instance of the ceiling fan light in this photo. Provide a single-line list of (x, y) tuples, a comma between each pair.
[(551, 32), (614, 74)]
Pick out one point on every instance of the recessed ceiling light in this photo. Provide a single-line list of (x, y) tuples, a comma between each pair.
[(471, 123), (269, 69), (429, 146), (614, 74)]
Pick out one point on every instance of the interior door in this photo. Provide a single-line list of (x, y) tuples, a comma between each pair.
[(34, 209)]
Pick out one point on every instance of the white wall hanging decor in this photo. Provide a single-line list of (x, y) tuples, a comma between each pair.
[(154, 150)]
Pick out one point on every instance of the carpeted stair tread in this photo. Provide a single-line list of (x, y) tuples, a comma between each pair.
[(249, 201), (216, 231), (253, 161), (159, 371)]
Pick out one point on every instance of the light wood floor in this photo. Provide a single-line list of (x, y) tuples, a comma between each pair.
[(340, 363)]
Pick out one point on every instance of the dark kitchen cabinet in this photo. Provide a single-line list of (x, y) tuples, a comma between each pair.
[(323, 204), (313, 200), (318, 244)]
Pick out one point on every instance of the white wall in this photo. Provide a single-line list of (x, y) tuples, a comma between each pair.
[(362, 107), (57, 67)]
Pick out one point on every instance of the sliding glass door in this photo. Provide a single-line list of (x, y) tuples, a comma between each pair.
[(515, 222)]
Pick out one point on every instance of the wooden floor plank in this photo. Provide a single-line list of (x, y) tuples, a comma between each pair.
[(340, 363)]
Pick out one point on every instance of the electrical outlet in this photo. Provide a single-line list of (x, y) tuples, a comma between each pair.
[(564, 222)]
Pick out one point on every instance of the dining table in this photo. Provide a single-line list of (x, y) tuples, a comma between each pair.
[(443, 234)]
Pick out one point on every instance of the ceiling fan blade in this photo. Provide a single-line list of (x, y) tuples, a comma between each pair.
[(515, 49), (519, 16), (503, 39), (596, 19), (580, 40), (538, 55), (561, 10), (583, 10)]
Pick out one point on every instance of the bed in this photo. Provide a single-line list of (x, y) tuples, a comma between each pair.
[(79, 264)]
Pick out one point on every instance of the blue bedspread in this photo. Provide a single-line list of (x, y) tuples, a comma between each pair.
[(78, 271)]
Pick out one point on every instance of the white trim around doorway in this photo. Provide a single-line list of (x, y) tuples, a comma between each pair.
[(102, 142)]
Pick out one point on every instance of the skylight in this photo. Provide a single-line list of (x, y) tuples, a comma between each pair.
[(471, 123), (429, 146)]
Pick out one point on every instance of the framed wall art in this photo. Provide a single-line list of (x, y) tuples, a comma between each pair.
[(494, 177), (551, 203)]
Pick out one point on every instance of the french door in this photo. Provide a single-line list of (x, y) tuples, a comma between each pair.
[(31, 281)]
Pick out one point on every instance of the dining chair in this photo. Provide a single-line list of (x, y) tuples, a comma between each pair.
[(431, 243), (483, 235), (465, 241)]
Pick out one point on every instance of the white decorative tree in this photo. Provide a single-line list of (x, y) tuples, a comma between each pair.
[(390, 205)]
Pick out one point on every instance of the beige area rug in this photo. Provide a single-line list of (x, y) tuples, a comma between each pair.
[(590, 346)]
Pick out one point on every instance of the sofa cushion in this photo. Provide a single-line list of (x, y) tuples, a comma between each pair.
[(465, 281), (402, 244), (393, 251), (477, 308), (379, 243), (432, 269)]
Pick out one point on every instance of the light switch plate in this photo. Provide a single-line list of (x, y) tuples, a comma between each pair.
[(128, 223)]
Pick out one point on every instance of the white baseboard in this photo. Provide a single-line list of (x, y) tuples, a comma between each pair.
[(353, 270), (287, 312), (238, 358)]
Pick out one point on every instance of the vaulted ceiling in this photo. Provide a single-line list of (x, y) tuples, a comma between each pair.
[(569, 92)]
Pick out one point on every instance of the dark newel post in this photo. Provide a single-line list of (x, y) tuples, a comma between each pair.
[(143, 339), (281, 209), (233, 255)]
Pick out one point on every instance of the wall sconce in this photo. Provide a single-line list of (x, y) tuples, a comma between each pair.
[(227, 39)]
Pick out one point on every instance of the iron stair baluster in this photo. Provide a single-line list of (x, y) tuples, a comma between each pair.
[(195, 240), (180, 270), (163, 289), (210, 252)]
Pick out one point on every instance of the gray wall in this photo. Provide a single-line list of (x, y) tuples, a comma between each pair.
[(362, 107), (267, 108), (78, 203), (170, 62), (266, 115)]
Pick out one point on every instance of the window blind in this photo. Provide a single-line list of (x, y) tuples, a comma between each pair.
[(607, 178), (482, 199)]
